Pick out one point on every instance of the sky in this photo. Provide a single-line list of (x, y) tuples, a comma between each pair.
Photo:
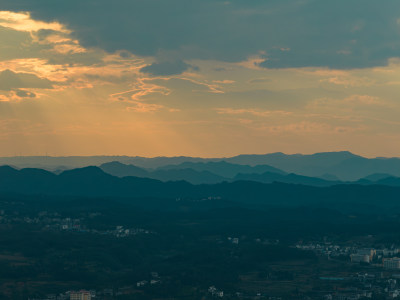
[(204, 78)]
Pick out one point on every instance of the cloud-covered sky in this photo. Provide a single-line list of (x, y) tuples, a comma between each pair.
[(203, 78)]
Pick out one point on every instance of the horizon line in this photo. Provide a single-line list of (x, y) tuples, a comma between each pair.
[(188, 156)]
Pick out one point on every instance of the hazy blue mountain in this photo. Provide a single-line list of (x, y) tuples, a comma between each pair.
[(223, 168), (329, 177), (93, 182), (313, 165), (189, 175), (377, 176), (392, 181), (273, 159), (359, 167), (197, 174), (53, 163), (196, 177), (59, 169), (269, 177), (344, 165), (121, 170), (70, 162), (157, 162), (389, 181), (294, 161)]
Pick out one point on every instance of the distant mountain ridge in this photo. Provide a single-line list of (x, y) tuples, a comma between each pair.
[(193, 176), (343, 165), (93, 182), (211, 173), (286, 161), (287, 178), (201, 174), (196, 173), (224, 168)]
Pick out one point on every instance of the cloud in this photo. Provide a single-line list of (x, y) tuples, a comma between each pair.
[(168, 68), (225, 81), (23, 22), (260, 80), (363, 99), (349, 81), (25, 94), (350, 102), (188, 84), (142, 107), (10, 80), (289, 34), (140, 89), (306, 127), (17, 95), (251, 111), (22, 37), (4, 98)]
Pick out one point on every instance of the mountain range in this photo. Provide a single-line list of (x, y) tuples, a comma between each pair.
[(195, 173), (330, 166), (94, 182), (217, 172)]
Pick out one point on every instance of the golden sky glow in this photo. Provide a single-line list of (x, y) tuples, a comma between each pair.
[(58, 97)]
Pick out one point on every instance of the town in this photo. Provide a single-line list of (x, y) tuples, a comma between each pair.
[(113, 250)]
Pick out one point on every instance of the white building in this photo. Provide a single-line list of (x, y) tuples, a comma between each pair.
[(367, 251), (357, 258), (81, 295), (391, 263)]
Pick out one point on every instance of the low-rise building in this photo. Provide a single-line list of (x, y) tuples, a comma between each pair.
[(357, 258), (80, 295), (141, 283), (391, 263)]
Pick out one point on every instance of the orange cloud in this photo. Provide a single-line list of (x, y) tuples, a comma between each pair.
[(144, 107), (350, 81), (22, 21), (68, 49), (141, 88), (4, 98), (348, 102), (308, 127), (254, 112)]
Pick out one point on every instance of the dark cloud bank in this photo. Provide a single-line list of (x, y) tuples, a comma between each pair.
[(293, 33)]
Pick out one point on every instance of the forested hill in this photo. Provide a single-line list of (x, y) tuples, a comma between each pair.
[(93, 182)]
